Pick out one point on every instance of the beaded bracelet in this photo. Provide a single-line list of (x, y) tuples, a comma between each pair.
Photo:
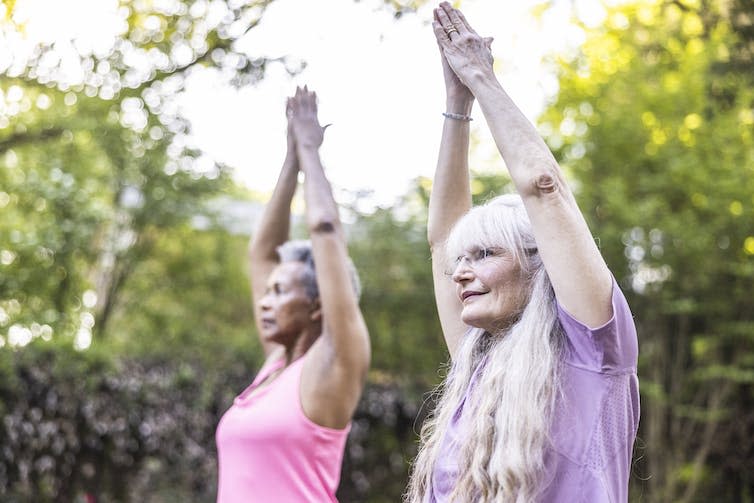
[(458, 117)]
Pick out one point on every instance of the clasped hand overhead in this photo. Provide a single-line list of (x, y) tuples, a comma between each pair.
[(463, 49), (304, 130)]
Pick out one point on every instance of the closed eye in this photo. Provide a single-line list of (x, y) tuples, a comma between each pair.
[(483, 253), (476, 255)]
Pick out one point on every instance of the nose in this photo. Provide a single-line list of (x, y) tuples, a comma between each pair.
[(264, 303), (463, 271)]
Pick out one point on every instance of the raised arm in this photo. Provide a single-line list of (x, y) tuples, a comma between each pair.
[(579, 275), (450, 198), (273, 229), (335, 370)]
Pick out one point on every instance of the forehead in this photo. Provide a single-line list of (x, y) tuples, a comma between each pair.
[(287, 273), (484, 246), (479, 234), (474, 234)]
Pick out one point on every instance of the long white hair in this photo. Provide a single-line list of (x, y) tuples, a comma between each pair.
[(507, 416)]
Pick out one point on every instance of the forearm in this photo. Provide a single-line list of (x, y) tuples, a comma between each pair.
[(321, 209), (344, 327), (451, 194), (274, 225)]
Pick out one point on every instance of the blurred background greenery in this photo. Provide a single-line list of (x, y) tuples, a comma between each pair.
[(125, 323)]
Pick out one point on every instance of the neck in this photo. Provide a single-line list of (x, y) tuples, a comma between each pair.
[(303, 342)]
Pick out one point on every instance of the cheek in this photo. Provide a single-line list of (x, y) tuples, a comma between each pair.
[(501, 278), (295, 309), (507, 285)]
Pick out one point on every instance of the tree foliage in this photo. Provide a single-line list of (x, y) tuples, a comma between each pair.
[(125, 322)]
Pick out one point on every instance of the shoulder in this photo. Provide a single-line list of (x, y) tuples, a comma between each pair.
[(610, 347)]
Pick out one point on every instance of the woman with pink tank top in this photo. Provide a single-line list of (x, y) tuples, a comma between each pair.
[(282, 440), (541, 402)]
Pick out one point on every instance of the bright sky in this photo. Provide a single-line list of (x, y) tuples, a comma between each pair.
[(379, 82), (378, 79)]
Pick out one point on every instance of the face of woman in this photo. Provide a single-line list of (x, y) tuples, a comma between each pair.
[(285, 308), (490, 286)]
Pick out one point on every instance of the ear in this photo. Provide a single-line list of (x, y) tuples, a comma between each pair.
[(315, 310)]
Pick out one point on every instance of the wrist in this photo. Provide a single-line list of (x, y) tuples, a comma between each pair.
[(306, 147), (459, 106), (307, 152), (482, 80), (457, 117)]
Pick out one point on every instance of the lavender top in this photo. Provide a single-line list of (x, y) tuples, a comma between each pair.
[(594, 424)]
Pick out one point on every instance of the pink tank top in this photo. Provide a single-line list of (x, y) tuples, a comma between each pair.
[(269, 451)]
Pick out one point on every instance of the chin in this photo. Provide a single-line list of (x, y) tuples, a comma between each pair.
[(272, 337), (283, 338), (472, 321), (487, 323)]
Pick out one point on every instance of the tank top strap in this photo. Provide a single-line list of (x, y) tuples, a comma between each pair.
[(268, 368)]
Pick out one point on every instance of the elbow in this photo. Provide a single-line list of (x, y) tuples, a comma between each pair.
[(323, 225), (366, 363), (432, 238), (435, 243), (437, 235), (366, 355), (255, 250), (545, 181), (260, 250)]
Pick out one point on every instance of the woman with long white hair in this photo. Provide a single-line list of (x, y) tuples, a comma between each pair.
[(541, 401)]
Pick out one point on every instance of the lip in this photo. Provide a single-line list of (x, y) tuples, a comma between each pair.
[(469, 293)]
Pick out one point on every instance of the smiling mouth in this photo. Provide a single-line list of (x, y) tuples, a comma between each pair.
[(466, 295)]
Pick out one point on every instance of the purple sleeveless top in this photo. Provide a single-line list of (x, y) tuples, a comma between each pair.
[(594, 425)]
